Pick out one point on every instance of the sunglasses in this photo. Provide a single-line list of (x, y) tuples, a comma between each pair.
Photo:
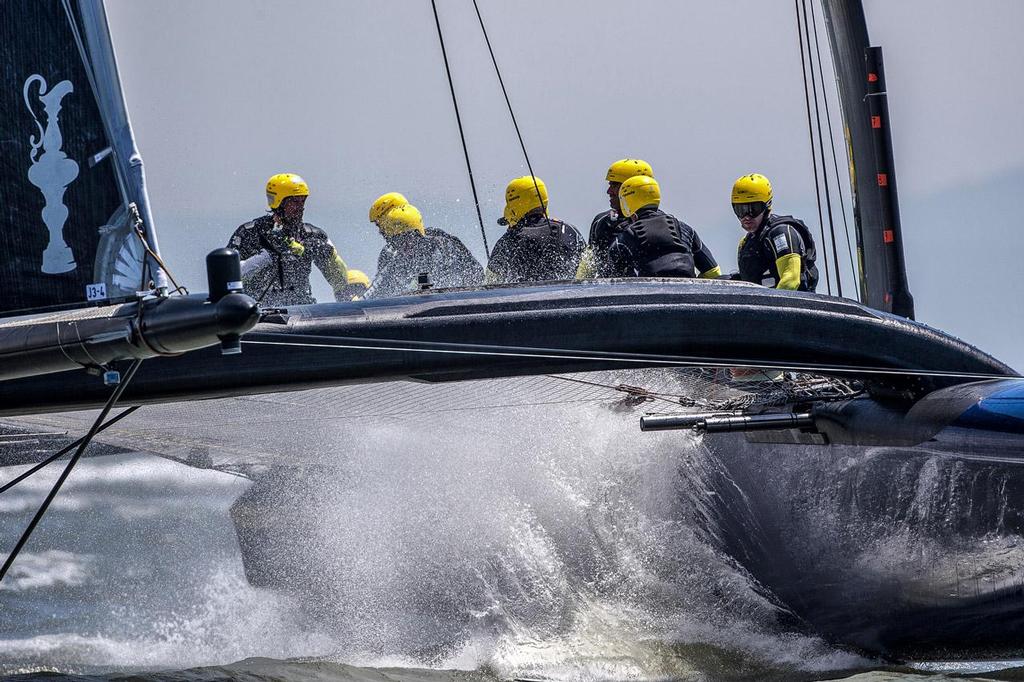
[(751, 209)]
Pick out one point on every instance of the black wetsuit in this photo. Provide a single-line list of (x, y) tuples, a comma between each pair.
[(282, 278), (444, 257), (657, 244), (603, 230), (779, 236), (536, 249)]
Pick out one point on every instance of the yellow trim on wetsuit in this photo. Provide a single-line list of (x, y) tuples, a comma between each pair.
[(587, 268), (713, 273), (789, 271), (336, 272)]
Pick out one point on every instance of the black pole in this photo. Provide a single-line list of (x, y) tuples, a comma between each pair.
[(885, 177), (64, 450), (67, 469)]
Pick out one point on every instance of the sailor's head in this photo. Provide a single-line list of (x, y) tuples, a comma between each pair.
[(400, 220), (637, 192), (384, 203), (286, 196), (524, 196), (752, 200), (619, 172)]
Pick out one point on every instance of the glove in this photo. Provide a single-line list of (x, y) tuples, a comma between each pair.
[(284, 244)]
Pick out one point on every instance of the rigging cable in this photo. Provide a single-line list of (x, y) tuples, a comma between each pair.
[(65, 450), (462, 135), (810, 133), (835, 159), (508, 103), (821, 148), (83, 444)]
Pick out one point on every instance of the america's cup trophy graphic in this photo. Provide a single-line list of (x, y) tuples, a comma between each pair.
[(52, 171)]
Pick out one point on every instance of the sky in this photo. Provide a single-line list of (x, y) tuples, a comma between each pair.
[(353, 96)]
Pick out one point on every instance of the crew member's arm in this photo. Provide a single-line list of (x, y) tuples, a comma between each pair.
[(255, 258), (496, 271), (333, 268), (619, 260), (789, 250), (588, 264), (706, 264)]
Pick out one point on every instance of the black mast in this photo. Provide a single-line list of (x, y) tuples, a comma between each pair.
[(883, 273)]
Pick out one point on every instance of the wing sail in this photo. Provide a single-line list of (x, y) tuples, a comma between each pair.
[(70, 170)]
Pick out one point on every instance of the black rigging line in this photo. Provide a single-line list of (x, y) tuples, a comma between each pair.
[(810, 133), (462, 135), (821, 148), (508, 103), (65, 450), (835, 160), (83, 444)]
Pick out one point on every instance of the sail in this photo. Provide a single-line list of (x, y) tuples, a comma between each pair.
[(70, 171)]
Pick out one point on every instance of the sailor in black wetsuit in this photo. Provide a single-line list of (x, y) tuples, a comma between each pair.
[(777, 251), (535, 247), (278, 250), (654, 243), (606, 226), (410, 249)]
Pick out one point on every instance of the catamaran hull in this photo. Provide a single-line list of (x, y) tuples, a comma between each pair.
[(539, 329)]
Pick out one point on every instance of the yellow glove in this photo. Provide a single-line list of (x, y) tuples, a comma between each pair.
[(296, 248)]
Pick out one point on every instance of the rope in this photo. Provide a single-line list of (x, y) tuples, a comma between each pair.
[(624, 388), (462, 135), (83, 444), (141, 234), (508, 103), (835, 160), (821, 149), (810, 133), (63, 451), (646, 360)]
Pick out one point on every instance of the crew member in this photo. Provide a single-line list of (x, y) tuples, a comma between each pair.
[(653, 243), (411, 250), (776, 251), (535, 247), (278, 250), (605, 226)]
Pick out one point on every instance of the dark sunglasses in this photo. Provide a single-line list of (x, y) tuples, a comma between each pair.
[(751, 209)]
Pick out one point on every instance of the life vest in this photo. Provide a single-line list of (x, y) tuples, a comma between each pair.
[(663, 248), (757, 259)]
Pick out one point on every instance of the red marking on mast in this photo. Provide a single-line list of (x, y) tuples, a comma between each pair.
[(883, 179), (888, 297), (876, 121), (888, 236), (872, 78)]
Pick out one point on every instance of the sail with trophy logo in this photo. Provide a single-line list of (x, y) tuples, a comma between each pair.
[(71, 179)]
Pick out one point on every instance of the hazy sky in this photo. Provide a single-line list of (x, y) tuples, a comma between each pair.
[(352, 95)]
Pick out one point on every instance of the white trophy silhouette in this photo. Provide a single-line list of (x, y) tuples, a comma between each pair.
[(52, 171)]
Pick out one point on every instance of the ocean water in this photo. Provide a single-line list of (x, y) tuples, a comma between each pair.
[(494, 553)]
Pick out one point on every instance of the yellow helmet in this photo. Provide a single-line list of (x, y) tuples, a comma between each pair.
[(358, 278), (521, 197), (384, 203), (405, 218), (284, 185), (624, 169), (637, 192), (752, 188)]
